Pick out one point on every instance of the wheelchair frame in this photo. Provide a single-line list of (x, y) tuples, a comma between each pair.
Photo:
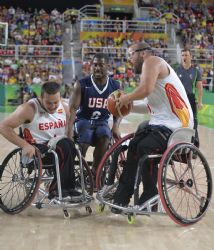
[(25, 179), (178, 175)]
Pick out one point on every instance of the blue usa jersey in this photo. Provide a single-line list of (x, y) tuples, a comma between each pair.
[(93, 104)]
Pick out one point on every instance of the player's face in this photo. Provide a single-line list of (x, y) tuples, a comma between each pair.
[(186, 57), (51, 102), (99, 68), (135, 59)]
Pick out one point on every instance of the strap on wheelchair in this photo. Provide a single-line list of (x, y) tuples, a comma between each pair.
[(163, 131), (21, 133)]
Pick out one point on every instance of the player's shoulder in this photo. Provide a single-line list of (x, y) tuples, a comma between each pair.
[(65, 105), (197, 69), (177, 67), (29, 105), (85, 79), (25, 111), (153, 61), (114, 82)]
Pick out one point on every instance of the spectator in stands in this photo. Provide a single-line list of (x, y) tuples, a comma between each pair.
[(1, 72), (21, 74), (210, 83), (12, 79), (36, 79), (68, 91), (190, 76), (32, 27)]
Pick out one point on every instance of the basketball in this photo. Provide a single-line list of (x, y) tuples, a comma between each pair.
[(116, 110)]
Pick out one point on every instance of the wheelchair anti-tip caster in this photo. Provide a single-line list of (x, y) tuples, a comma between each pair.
[(100, 208), (66, 214), (131, 219), (38, 205), (88, 210)]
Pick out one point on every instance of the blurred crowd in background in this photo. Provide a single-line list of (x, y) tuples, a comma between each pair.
[(38, 35)]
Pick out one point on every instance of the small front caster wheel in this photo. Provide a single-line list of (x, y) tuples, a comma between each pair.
[(88, 210), (100, 208), (66, 214), (131, 219), (39, 205)]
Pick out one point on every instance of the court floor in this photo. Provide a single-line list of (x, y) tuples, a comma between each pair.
[(47, 229)]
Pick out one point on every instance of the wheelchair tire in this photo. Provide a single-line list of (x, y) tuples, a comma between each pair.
[(19, 182), (184, 183), (112, 163)]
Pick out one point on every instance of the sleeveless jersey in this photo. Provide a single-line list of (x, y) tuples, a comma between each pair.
[(168, 103), (93, 104), (44, 126)]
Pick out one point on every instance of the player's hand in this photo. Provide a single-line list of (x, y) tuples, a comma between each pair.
[(29, 150), (123, 100), (70, 134), (200, 106), (116, 133)]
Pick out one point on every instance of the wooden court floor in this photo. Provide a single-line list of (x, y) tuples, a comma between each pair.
[(46, 229)]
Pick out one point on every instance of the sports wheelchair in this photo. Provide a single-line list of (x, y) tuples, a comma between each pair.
[(184, 180), (26, 181)]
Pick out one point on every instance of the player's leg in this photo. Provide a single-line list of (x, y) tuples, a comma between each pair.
[(125, 188), (154, 143), (193, 104), (84, 131), (101, 140), (66, 152)]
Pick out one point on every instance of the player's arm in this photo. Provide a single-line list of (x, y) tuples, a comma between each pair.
[(24, 113), (140, 107), (74, 104), (116, 122), (115, 127), (67, 112), (150, 73), (199, 86)]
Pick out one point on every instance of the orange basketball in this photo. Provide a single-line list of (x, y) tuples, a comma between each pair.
[(115, 110)]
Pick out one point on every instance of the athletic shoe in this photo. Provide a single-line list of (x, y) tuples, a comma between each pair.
[(115, 210), (194, 155), (75, 195), (154, 208), (107, 192), (65, 195), (146, 196)]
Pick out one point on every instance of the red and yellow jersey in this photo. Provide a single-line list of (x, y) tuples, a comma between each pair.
[(44, 126), (169, 104)]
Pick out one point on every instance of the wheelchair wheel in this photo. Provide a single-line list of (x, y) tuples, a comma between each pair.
[(111, 166), (88, 178), (184, 183), (19, 182)]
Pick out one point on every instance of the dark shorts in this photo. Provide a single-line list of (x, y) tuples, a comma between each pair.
[(89, 130)]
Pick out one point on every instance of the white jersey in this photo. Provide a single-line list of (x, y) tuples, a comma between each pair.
[(44, 126), (169, 104)]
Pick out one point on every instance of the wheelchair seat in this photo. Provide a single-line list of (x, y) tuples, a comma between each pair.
[(181, 135)]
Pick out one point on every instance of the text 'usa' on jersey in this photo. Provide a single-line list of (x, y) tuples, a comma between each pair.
[(93, 104)]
